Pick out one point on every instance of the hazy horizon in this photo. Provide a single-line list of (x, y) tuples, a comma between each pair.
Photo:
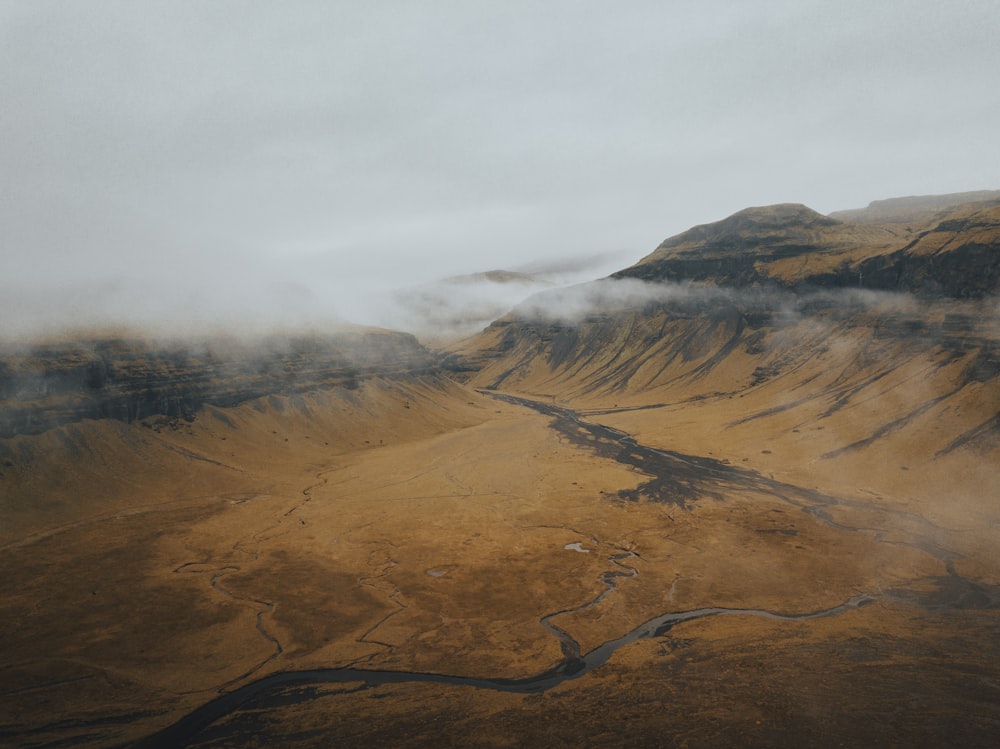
[(239, 164)]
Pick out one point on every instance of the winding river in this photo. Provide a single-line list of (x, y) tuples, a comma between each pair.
[(674, 478), (271, 690)]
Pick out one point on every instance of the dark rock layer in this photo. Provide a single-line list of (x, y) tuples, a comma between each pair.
[(48, 385)]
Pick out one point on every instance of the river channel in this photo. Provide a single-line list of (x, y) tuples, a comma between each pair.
[(271, 690)]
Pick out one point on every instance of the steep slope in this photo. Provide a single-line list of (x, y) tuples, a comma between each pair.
[(93, 469), (107, 425), (754, 331)]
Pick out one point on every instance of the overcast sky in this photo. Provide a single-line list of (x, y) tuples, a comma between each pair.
[(284, 161)]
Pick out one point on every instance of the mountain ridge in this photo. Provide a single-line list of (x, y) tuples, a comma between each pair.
[(792, 246), (745, 308)]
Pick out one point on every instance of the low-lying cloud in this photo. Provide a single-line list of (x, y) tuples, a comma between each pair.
[(175, 300), (572, 304)]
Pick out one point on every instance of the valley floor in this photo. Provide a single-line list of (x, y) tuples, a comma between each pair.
[(440, 566)]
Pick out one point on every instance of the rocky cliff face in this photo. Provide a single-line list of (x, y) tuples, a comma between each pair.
[(46, 385)]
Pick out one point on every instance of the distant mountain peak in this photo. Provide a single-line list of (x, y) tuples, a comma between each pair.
[(760, 220)]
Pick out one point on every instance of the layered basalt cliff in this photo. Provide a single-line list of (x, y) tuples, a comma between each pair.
[(47, 385)]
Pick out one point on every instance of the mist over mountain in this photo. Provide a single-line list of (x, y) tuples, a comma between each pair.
[(766, 267), (762, 297), (50, 384), (510, 374), (445, 309), (741, 490), (460, 305)]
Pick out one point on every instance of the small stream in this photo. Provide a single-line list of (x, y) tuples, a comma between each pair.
[(570, 647), (263, 607)]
